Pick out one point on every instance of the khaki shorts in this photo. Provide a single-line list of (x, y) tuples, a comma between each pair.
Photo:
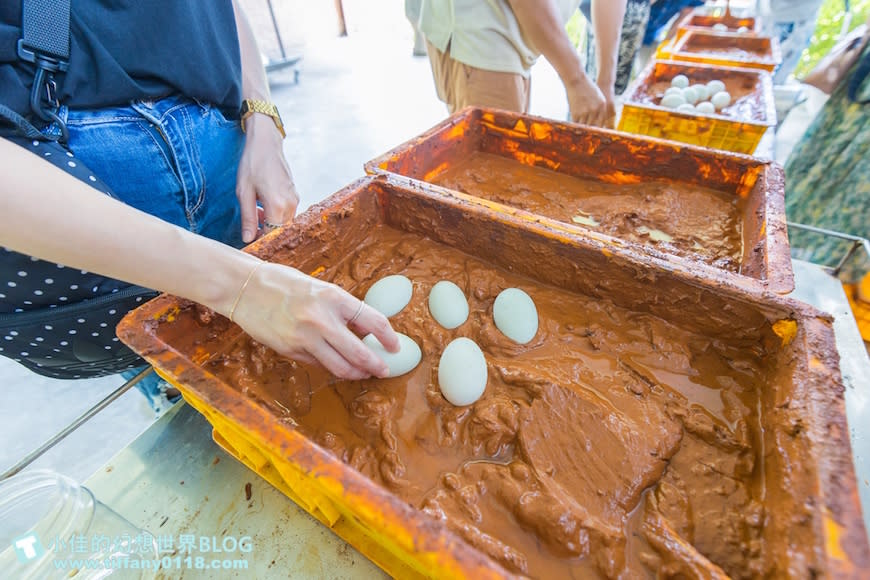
[(460, 85)]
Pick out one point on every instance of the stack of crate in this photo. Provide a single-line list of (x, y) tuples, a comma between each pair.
[(706, 45), (401, 196)]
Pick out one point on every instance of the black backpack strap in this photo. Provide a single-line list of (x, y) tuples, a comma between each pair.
[(45, 43), (45, 32), (23, 126)]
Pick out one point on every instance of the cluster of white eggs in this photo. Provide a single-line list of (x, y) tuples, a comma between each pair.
[(719, 27), (697, 98), (462, 373)]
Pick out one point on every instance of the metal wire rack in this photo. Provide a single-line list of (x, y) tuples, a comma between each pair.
[(857, 243)]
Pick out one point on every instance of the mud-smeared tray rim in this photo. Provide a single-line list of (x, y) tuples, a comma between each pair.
[(779, 276), (685, 23), (769, 60), (839, 512)]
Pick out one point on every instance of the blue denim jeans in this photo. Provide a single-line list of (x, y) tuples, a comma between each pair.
[(173, 158)]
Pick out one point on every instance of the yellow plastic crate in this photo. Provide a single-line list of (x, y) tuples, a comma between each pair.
[(641, 116), (311, 493), (179, 339)]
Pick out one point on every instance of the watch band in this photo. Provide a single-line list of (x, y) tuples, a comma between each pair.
[(251, 106)]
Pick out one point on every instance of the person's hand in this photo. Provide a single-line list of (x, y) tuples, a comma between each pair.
[(309, 320), (586, 102), (264, 176)]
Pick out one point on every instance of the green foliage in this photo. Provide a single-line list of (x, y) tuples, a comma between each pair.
[(828, 27), (576, 27)]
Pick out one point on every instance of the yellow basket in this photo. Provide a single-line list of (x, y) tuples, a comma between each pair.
[(640, 116), (179, 339), (310, 493)]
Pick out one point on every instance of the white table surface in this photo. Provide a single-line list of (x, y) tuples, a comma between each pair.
[(175, 480)]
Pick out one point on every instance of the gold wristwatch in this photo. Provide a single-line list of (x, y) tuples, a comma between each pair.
[(251, 106)]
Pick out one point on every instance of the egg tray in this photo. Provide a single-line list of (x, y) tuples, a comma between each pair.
[(611, 157), (699, 19), (642, 115), (818, 525), (723, 49)]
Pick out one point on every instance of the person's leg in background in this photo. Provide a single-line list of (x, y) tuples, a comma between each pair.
[(663, 14), (460, 85), (631, 37), (412, 13), (174, 159)]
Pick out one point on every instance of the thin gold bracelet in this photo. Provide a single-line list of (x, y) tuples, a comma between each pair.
[(242, 289)]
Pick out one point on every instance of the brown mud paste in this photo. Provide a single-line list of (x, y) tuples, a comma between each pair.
[(614, 444), (682, 219)]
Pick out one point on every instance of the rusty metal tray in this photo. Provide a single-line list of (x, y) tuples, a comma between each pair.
[(700, 19), (799, 437), (752, 189), (724, 49)]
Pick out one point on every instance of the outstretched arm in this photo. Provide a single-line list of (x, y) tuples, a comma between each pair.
[(263, 171), (543, 27), (297, 315)]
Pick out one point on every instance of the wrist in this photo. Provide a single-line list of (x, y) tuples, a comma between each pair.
[(578, 82), (606, 74), (223, 284), (259, 126), (242, 289)]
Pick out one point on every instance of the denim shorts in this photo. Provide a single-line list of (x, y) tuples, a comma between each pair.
[(173, 158)]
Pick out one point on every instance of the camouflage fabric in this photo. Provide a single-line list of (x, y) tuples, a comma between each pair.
[(828, 176)]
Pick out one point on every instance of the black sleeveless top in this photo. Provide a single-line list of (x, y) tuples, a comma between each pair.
[(123, 50)]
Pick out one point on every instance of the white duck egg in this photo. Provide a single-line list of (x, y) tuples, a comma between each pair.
[(390, 294), (743, 30), (690, 95), (462, 372), (681, 81), (701, 91), (721, 100), (515, 315), (674, 91), (672, 101), (719, 27), (448, 305), (705, 107), (714, 87), (686, 108), (401, 362)]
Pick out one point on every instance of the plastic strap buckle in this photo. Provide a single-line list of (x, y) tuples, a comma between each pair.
[(49, 62)]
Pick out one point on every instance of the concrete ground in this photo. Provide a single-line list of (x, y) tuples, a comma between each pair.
[(357, 97)]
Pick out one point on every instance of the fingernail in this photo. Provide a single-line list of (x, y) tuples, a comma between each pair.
[(247, 236)]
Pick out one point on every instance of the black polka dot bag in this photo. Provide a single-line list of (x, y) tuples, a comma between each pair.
[(59, 321)]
